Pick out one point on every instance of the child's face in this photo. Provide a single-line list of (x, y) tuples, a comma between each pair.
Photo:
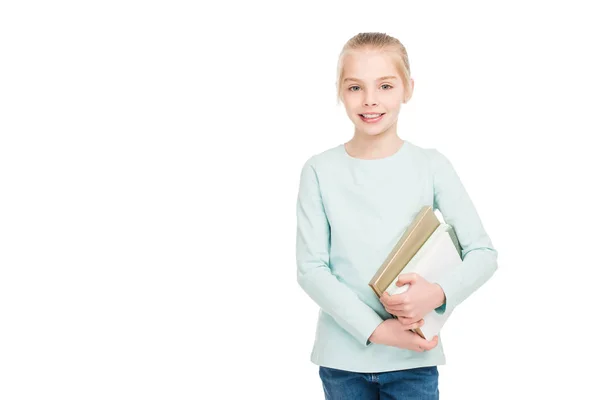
[(368, 94)]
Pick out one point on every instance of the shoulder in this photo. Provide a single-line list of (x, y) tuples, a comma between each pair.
[(319, 161), (430, 156), (435, 158)]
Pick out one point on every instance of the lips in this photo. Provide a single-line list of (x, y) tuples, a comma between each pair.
[(371, 120)]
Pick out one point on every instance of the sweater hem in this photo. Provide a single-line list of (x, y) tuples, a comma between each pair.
[(437, 361)]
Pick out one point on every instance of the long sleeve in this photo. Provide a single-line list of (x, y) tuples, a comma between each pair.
[(479, 256), (313, 270)]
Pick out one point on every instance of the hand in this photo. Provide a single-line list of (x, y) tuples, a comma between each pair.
[(392, 333), (421, 298)]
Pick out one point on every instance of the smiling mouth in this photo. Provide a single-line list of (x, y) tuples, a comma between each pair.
[(371, 118)]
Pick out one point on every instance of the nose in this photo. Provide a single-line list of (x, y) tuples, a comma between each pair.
[(370, 98)]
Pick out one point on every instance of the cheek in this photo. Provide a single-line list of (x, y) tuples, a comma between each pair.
[(394, 105), (349, 110), (351, 106)]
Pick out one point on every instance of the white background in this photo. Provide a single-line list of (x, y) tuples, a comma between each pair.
[(149, 162)]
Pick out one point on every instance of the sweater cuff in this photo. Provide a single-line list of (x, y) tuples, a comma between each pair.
[(448, 284), (368, 327)]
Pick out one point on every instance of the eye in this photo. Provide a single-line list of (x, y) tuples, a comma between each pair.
[(350, 88), (385, 84)]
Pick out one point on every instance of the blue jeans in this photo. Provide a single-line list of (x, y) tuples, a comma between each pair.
[(409, 384)]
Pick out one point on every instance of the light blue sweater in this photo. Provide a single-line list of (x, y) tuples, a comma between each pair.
[(350, 214)]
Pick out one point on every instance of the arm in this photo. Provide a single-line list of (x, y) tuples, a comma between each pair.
[(479, 256), (313, 272)]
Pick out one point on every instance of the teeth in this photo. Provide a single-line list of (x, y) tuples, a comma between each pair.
[(370, 115)]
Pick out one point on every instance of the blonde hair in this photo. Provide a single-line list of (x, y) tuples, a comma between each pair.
[(379, 42)]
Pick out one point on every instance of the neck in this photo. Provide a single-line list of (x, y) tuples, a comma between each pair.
[(372, 147)]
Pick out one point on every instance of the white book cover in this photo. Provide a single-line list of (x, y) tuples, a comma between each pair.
[(437, 255)]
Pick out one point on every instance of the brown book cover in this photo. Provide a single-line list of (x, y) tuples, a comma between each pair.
[(417, 233)]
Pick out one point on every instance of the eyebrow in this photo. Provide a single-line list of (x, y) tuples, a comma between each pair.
[(380, 79)]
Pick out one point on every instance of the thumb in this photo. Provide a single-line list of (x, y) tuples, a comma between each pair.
[(403, 279), (428, 344)]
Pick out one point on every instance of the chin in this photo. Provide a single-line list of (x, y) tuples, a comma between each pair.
[(373, 131)]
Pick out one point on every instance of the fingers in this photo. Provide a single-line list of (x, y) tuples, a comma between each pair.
[(403, 279), (399, 309), (425, 345), (414, 325), (405, 315), (394, 300), (409, 321)]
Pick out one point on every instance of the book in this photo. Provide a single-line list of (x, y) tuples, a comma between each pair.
[(435, 257), (417, 233), (428, 247)]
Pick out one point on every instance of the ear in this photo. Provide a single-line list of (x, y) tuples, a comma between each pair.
[(412, 90)]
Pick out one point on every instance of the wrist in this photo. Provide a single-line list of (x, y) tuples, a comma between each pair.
[(378, 333), (440, 296)]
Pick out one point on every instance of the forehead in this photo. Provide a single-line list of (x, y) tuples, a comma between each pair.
[(368, 65)]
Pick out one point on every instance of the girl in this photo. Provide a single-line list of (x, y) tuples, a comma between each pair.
[(354, 202)]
